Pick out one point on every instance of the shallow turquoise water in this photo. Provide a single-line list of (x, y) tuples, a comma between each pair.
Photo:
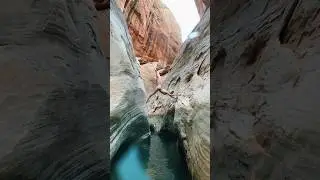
[(130, 166), (154, 158)]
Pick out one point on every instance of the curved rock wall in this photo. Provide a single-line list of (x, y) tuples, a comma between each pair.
[(265, 88), (53, 91), (127, 93), (202, 5), (190, 112), (155, 33)]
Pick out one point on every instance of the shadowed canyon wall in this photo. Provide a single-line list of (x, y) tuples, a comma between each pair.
[(155, 33), (265, 82), (53, 91)]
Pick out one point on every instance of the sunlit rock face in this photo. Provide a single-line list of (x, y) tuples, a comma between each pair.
[(189, 114), (149, 76), (155, 33), (127, 93), (53, 91), (265, 89)]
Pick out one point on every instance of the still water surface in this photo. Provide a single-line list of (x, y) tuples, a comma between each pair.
[(155, 158)]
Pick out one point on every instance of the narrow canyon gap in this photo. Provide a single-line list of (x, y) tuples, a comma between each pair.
[(145, 35)]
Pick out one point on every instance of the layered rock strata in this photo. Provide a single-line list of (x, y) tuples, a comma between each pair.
[(155, 33), (128, 118), (53, 91), (202, 5)]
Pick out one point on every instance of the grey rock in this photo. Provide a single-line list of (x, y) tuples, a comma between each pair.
[(128, 118), (264, 90), (53, 92)]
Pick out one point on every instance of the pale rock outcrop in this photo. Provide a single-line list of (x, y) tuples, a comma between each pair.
[(148, 75), (127, 94), (189, 114), (265, 89), (155, 33)]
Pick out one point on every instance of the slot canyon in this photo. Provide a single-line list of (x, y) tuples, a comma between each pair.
[(236, 100), (145, 38)]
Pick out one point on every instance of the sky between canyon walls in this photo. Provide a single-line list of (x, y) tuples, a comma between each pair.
[(186, 14)]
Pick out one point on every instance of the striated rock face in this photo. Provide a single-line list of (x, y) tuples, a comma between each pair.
[(155, 33), (127, 93), (265, 89), (53, 91), (202, 5), (189, 114)]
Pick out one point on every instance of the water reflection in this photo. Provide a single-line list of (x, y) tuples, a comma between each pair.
[(154, 158), (131, 166)]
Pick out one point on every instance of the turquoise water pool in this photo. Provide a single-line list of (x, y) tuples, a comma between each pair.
[(154, 158)]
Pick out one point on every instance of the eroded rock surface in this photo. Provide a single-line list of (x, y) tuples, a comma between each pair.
[(189, 114), (155, 33), (127, 93), (265, 89), (53, 91), (202, 5), (149, 76)]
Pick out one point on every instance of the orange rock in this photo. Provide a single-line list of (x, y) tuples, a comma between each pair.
[(155, 33)]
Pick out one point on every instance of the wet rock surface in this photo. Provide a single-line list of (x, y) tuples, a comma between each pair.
[(53, 92), (264, 90)]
